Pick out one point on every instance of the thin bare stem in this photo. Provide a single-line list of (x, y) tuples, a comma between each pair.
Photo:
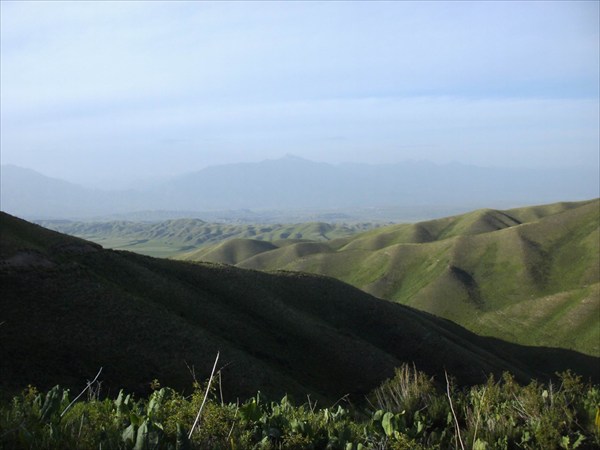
[(462, 446), (205, 396), (342, 398), (82, 392), (221, 389), (310, 405), (192, 372), (237, 407), (478, 415)]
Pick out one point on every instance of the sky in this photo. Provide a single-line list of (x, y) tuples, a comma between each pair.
[(108, 91)]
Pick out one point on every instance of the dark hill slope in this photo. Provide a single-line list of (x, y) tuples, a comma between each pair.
[(529, 275), (69, 307)]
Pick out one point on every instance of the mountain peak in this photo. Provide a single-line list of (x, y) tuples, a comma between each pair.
[(292, 157)]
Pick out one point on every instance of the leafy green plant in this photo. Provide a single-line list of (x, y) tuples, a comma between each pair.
[(500, 414)]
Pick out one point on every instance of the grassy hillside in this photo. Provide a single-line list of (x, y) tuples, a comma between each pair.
[(527, 275), (173, 237), (69, 307)]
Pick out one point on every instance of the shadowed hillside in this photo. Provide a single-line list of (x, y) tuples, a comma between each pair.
[(69, 307), (528, 275)]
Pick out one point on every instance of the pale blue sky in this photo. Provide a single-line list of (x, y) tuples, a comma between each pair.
[(105, 90)]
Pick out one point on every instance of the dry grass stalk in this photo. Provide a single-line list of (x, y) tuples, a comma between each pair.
[(89, 384), (462, 446), (205, 396)]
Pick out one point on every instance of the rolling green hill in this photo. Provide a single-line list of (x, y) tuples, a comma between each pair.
[(172, 237), (68, 307), (528, 275)]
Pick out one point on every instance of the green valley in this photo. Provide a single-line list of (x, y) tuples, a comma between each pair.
[(527, 275), (172, 237)]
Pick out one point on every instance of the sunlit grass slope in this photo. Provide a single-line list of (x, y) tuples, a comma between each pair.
[(529, 275), (68, 307)]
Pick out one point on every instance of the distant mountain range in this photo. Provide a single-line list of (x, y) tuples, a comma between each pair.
[(418, 189), (69, 307)]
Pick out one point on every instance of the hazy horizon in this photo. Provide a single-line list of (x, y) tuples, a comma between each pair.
[(141, 182), (114, 91)]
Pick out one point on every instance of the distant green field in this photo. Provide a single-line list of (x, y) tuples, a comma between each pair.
[(157, 247), (173, 237), (528, 275)]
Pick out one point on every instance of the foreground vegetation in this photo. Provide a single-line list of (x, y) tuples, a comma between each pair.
[(409, 411)]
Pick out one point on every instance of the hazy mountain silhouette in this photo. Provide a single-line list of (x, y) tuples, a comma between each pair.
[(28, 193), (299, 183), (296, 183)]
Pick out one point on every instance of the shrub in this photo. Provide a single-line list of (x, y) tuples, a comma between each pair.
[(410, 413)]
